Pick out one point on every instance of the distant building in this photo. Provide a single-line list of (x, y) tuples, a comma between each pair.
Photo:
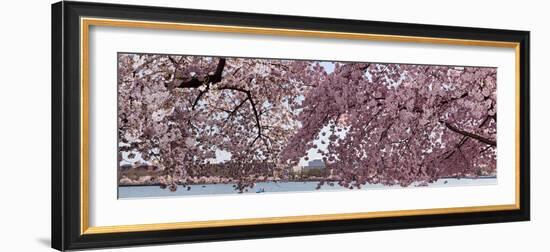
[(314, 164)]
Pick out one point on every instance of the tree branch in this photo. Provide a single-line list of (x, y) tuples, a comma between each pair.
[(485, 149), (200, 95), (249, 98), (231, 113), (454, 99), (211, 79), (469, 134), (465, 139)]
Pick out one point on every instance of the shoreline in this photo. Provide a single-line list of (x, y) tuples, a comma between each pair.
[(285, 181)]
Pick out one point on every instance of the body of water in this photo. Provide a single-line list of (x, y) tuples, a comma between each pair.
[(278, 187)]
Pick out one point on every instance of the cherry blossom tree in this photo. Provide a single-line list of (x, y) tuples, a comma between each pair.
[(380, 123), (404, 123)]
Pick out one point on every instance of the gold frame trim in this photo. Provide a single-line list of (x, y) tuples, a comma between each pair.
[(85, 24)]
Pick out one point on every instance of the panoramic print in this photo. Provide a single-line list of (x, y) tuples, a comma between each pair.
[(211, 125)]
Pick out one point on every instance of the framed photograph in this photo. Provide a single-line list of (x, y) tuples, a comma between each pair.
[(180, 125)]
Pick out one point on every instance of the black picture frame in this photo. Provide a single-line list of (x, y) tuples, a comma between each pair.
[(66, 125)]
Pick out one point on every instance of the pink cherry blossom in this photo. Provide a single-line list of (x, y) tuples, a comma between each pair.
[(375, 123)]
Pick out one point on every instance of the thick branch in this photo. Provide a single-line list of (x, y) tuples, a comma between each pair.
[(209, 79), (200, 95), (465, 139), (469, 134), (212, 79)]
